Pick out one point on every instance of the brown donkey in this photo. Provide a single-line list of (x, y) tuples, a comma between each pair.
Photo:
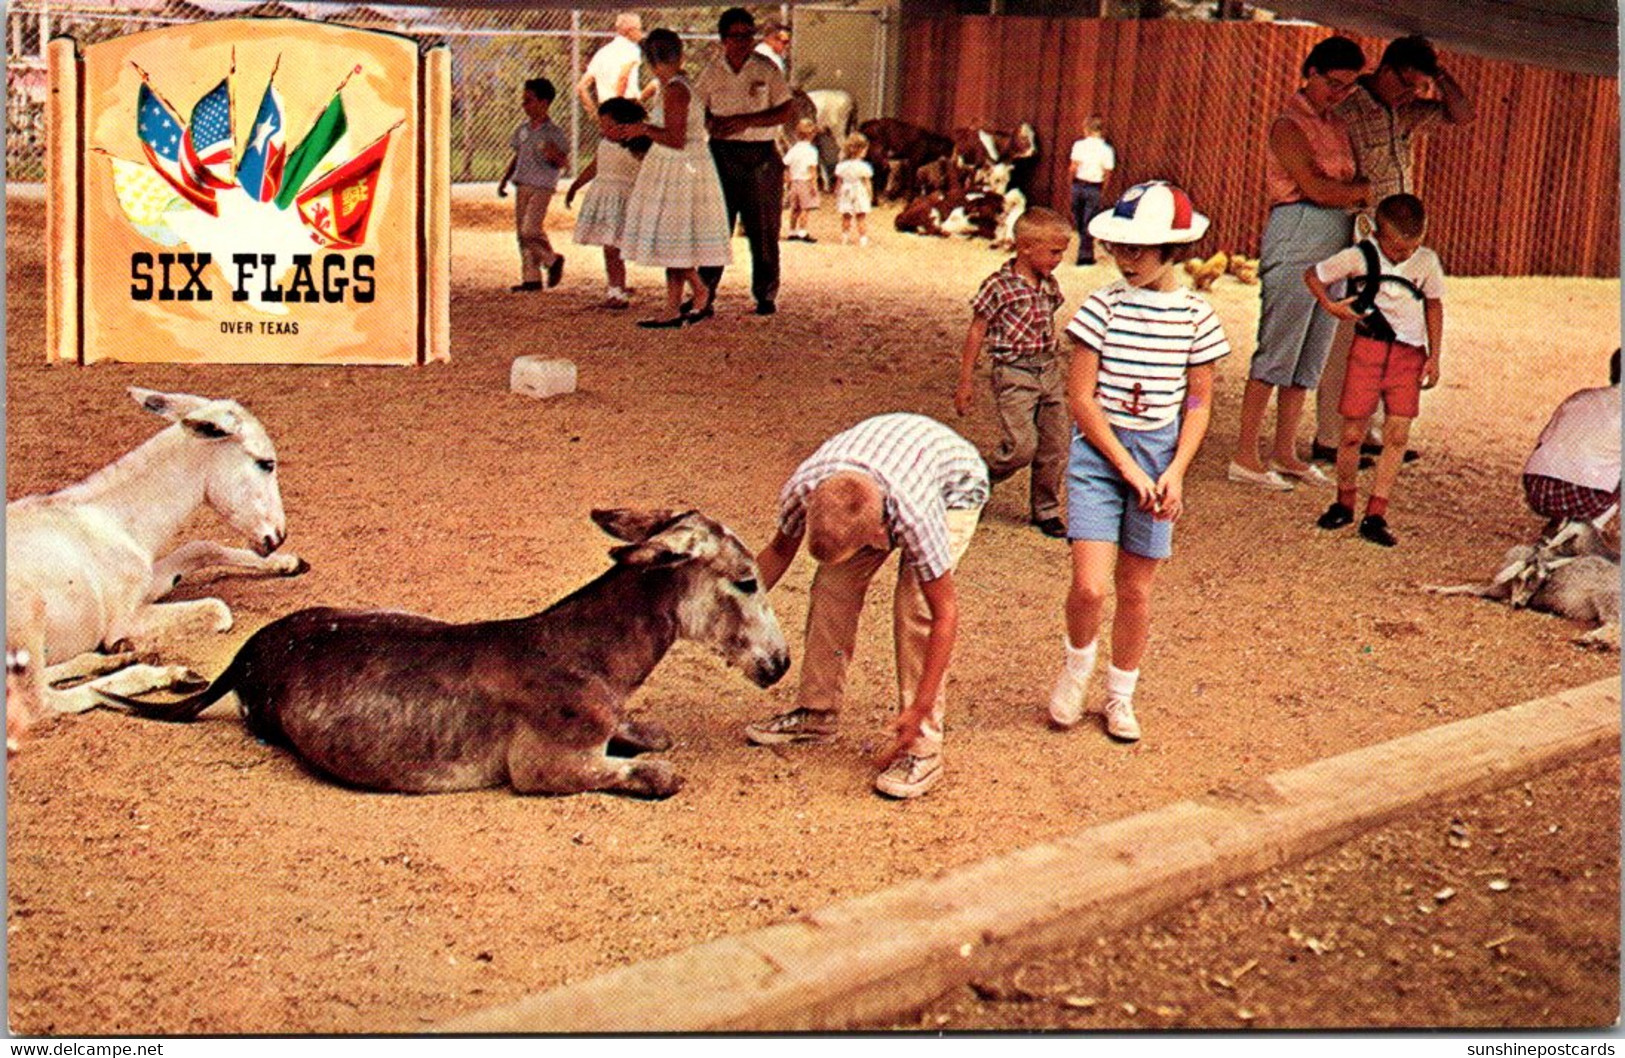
[(395, 701)]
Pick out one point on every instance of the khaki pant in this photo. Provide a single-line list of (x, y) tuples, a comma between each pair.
[(832, 629), (530, 215), (1037, 432)]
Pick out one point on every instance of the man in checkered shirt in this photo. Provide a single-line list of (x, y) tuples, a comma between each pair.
[(1013, 314), (894, 482), (1387, 112)]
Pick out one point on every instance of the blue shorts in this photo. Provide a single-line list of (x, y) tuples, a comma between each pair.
[(1100, 505)]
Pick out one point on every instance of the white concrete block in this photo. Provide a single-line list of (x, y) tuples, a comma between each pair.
[(535, 376)]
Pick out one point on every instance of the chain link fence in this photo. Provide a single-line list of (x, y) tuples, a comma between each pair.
[(493, 52)]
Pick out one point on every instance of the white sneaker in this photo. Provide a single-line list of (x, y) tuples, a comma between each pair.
[(1267, 479), (1120, 722), (863, 240), (910, 776), (1066, 700)]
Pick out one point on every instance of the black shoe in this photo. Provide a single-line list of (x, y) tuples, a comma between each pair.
[(1319, 453), (1371, 448), (808, 238), (695, 317), (1336, 517), (661, 325), (1053, 527), (766, 308), (555, 271), (688, 306), (1374, 527), (525, 287)]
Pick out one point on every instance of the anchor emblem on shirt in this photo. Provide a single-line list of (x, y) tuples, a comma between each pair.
[(1133, 404)]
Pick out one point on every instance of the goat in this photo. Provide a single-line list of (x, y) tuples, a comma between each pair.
[(385, 700), (1571, 573), (82, 571)]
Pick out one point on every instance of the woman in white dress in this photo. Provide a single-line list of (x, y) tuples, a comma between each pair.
[(675, 217)]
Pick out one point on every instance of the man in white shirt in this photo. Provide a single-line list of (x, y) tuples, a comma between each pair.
[(1092, 163), (613, 69), (775, 44), (746, 100)]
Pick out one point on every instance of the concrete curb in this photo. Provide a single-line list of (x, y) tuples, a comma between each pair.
[(879, 955)]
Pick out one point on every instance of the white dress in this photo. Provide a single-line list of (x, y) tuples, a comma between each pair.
[(602, 219), (676, 217), (852, 194)]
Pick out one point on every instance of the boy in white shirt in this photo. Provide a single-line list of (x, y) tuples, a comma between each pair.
[(1574, 470), (1398, 316), (801, 177), (1092, 163)]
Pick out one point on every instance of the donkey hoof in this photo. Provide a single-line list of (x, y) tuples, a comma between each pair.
[(654, 779), (291, 565)]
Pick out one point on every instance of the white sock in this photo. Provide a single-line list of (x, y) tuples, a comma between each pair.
[(1080, 661), (1120, 684)]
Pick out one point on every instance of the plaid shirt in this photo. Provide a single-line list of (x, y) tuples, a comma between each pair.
[(1020, 317), (924, 470), (1382, 138)]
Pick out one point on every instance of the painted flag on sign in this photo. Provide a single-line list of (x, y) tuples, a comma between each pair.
[(161, 135), (311, 150), (260, 172), (336, 207), (145, 197), (208, 139)]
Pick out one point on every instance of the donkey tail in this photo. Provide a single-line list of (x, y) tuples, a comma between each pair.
[(182, 710)]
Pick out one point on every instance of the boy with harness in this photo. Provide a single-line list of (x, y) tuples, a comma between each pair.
[(1397, 307)]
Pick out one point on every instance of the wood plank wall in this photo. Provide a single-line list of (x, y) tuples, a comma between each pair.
[(1530, 188)]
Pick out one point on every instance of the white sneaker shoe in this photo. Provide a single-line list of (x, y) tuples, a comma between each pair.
[(1120, 722), (1267, 479), (910, 776), (1066, 700)]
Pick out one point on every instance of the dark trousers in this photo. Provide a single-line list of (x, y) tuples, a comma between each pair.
[(1085, 204), (752, 176)]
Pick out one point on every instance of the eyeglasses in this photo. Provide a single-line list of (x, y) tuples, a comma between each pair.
[(1338, 84)]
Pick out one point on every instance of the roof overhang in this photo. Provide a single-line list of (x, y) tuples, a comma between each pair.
[(1577, 35)]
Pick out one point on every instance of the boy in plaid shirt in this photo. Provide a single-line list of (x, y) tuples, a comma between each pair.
[(1014, 315)]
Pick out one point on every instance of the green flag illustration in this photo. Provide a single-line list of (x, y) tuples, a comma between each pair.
[(311, 150)]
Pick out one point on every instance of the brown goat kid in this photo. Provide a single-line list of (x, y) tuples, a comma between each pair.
[(394, 701)]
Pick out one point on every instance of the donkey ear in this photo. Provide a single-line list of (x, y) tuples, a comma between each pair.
[(214, 420), (172, 406), (679, 543), (623, 523)]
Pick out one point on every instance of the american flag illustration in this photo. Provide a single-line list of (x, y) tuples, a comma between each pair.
[(161, 135), (208, 140)]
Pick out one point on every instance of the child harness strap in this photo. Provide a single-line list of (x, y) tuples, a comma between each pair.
[(1373, 324)]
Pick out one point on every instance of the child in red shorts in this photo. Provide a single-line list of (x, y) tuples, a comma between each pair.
[(1397, 305)]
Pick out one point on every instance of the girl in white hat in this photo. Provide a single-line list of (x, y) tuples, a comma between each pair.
[(1140, 391)]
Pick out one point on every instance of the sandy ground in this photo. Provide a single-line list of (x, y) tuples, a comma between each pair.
[(187, 879)]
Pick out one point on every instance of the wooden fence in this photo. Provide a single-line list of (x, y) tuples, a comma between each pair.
[(1531, 187)]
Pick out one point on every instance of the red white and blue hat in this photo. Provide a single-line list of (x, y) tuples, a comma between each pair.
[(1150, 214)]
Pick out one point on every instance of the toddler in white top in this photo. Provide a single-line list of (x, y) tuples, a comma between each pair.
[(854, 188), (801, 177)]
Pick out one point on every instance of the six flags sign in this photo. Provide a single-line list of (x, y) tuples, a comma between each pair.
[(304, 230)]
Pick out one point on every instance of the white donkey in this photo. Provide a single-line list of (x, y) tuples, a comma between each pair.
[(82, 566)]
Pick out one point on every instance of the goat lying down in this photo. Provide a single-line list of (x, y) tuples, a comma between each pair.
[(1572, 573), (386, 700)]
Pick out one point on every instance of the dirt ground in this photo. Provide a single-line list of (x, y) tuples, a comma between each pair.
[(187, 879)]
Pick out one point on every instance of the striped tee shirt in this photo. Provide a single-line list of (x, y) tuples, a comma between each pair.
[(924, 470), (1146, 341)]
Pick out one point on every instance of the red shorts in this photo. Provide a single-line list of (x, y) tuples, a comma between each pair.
[(1390, 370)]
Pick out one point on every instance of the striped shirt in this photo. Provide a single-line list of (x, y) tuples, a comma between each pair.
[(1382, 138), (924, 470), (1020, 317), (1146, 340)]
